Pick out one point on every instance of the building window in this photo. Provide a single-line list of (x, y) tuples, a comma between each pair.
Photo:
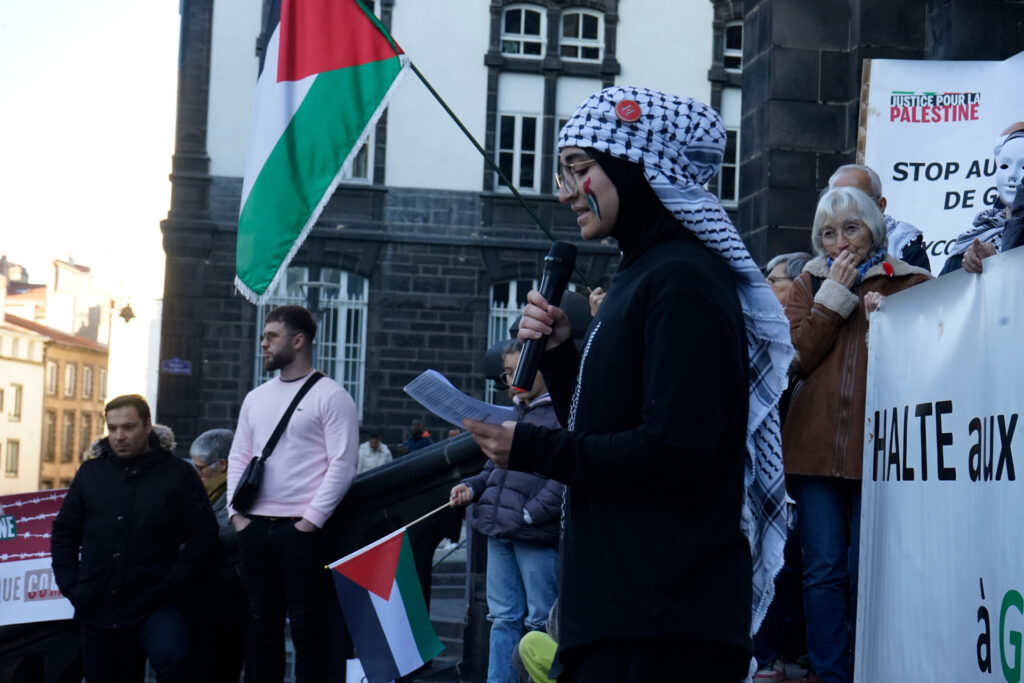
[(67, 442), (1, 400), (581, 36), (85, 438), (70, 373), (728, 176), (103, 383), (522, 31), (732, 52), (518, 150), (15, 347), (507, 302), (339, 349), (87, 381), (16, 390), (49, 436), (65, 483), (51, 377), (362, 163), (11, 464)]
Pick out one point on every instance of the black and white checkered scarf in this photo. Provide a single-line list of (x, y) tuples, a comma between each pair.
[(680, 142)]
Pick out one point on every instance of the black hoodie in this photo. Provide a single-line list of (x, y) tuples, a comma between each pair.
[(652, 548)]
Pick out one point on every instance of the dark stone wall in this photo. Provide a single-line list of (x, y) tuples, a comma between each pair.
[(801, 92), (430, 257)]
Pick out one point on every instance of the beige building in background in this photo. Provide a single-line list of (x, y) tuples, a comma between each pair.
[(21, 406), (73, 392)]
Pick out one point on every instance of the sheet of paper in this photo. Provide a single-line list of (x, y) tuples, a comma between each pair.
[(439, 396)]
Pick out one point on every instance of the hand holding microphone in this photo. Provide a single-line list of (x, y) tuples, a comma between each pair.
[(542, 317)]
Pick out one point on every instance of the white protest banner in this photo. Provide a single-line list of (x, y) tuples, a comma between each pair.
[(941, 555), (928, 129), (28, 591)]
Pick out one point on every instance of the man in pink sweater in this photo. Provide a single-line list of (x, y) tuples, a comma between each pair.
[(309, 472)]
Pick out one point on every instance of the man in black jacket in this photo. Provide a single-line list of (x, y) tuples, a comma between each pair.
[(134, 532)]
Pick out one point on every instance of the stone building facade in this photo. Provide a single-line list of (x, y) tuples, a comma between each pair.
[(416, 262), (416, 254)]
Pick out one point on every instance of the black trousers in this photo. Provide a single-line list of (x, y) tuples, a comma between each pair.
[(283, 570), (654, 660), (120, 654)]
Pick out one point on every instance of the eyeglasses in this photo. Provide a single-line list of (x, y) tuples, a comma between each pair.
[(271, 336), (506, 377), (850, 230), (200, 468), (566, 176)]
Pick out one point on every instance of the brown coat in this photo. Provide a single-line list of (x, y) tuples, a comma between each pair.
[(824, 430)]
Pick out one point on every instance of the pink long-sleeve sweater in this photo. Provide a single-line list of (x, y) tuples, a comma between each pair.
[(315, 460)]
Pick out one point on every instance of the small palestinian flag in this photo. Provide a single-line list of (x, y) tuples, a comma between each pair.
[(381, 597), (328, 73)]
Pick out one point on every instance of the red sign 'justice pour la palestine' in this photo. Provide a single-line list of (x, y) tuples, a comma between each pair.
[(947, 107)]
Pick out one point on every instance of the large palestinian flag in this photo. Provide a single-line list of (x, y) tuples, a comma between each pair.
[(382, 599), (328, 72)]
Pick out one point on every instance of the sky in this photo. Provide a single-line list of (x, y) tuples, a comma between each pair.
[(86, 137)]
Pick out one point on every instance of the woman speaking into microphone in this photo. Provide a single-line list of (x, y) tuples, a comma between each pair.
[(677, 381)]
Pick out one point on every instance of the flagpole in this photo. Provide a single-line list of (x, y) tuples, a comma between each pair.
[(495, 168), (417, 521), (432, 512)]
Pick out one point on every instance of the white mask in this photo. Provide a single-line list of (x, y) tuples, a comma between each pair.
[(1009, 169)]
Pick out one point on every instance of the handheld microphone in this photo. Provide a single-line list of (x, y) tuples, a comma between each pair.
[(558, 265)]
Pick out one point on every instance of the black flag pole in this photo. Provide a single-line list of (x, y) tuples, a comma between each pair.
[(490, 162)]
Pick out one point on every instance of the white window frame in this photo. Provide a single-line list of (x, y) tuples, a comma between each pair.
[(103, 383), (67, 428), (86, 381), (520, 39), (51, 377), (578, 43), (361, 168), (85, 434), (732, 53), (49, 436), (70, 377), (734, 165), (18, 391), (517, 151), (339, 349), (11, 459), (560, 122)]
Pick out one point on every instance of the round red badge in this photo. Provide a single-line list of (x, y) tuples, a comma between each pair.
[(627, 110)]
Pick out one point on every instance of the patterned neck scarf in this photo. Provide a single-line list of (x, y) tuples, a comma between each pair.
[(679, 143), (873, 259), (987, 226)]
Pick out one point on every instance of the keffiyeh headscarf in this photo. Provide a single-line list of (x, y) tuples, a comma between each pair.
[(680, 142)]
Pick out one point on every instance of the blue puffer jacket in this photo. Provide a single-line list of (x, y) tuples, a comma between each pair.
[(500, 496)]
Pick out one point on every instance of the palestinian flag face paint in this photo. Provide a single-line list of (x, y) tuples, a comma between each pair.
[(591, 199)]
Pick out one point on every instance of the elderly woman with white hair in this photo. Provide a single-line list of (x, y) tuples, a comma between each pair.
[(823, 436)]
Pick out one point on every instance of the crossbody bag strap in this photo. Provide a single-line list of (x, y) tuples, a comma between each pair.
[(279, 430)]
